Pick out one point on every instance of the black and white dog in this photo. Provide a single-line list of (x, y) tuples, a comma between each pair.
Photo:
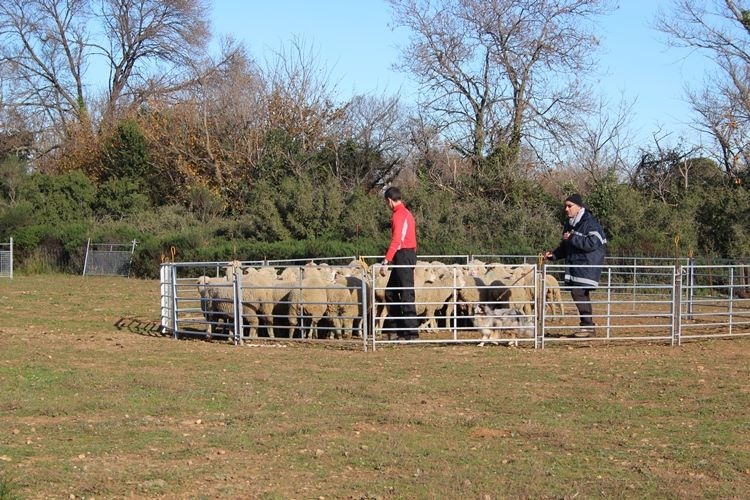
[(496, 323)]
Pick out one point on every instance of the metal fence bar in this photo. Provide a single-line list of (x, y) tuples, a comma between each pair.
[(173, 272), (676, 305)]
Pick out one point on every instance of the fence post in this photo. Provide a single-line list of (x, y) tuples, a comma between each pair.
[(635, 282), (86, 258), (732, 292), (609, 302), (11, 258), (676, 303), (173, 270), (363, 324), (691, 286), (132, 251), (541, 296), (373, 282), (237, 288), (454, 307)]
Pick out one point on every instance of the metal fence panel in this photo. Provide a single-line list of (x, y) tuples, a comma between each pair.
[(634, 303), (6, 259), (717, 303), (228, 302), (105, 259)]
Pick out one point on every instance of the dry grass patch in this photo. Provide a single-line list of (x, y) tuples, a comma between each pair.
[(89, 410)]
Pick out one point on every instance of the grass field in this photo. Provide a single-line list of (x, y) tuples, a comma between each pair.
[(88, 410)]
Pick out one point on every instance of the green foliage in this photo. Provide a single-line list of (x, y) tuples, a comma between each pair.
[(126, 153), (300, 208), (443, 224), (13, 218), (298, 202), (495, 211), (58, 198), (163, 218), (204, 203), (46, 247), (310, 208), (621, 211), (521, 221), (365, 217), (147, 258), (280, 150), (120, 198), (8, 489), (724, 224), (118, 232), (603, 197), (12, 175), (745, 19), (265, 222)]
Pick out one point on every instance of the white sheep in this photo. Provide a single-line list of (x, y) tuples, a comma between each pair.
[(208, 308), (516, 290), (217, 304), (433, 296), (289, 274), (553, 296), (259, 297), (472, 292), (344, 305), (322, 271), (497, 272), (309, 299), (380, 310)]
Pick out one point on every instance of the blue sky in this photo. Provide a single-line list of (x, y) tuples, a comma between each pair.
[(353, 40)]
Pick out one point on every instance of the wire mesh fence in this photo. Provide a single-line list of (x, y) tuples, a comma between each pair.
[(108, 259), (6, 259)]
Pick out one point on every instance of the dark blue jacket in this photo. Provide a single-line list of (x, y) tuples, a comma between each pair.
[(586, 245)]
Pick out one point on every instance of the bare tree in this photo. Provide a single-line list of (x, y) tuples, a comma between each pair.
[(49, 47), (500, 72), (43, 46), (213, 134), (149, 46), (721, 30), (601, 144), (300, 98), (664, 171), (369, 148)]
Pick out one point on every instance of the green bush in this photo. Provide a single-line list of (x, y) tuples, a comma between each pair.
[(58, 198), (51, 247), (120, 198), (14, 218), (365, 217)]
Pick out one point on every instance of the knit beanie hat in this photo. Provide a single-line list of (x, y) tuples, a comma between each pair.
[(575, 198)]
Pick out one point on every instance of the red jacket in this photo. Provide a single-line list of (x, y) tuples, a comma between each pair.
[(403, 231)]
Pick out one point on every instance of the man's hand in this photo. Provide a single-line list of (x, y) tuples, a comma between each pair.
[(549, 255)]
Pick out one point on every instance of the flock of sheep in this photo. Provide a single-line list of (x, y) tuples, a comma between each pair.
[(322, 301)]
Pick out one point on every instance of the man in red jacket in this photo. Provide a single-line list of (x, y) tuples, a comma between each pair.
[(402, 253)]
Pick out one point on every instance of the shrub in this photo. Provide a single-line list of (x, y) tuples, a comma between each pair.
[(120, 198), (13, 218), (58, 198)]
